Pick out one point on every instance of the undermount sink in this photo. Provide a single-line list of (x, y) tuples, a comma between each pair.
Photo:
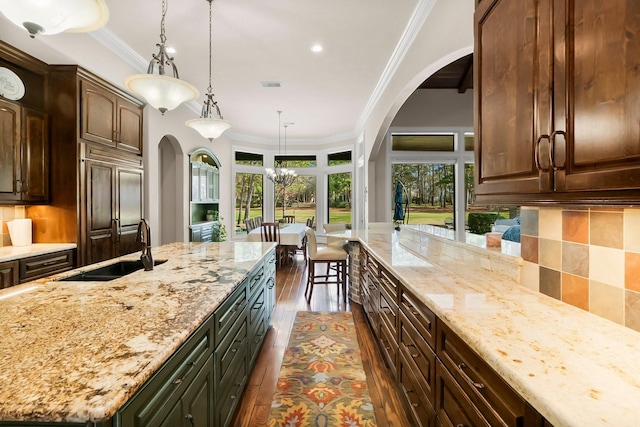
[(109, 272)]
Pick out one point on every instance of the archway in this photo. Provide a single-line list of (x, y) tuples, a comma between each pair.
[(171, 191)]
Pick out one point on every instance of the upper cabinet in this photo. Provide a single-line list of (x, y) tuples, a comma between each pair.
[(557, 102), (108, 118), (24, 130)]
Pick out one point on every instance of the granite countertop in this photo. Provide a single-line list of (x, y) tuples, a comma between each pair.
[(12, 253), (77, 351), (575, 368)]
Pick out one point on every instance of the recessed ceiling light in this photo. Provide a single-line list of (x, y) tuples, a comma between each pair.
[(316, 48)]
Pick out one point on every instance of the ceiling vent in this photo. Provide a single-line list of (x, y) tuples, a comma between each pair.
[(271, 84)]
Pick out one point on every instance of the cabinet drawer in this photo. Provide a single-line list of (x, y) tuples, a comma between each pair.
[(419, 357), (257, 308), (423, 319), (493, 397), (389, 283), (160, 394), (388, 347), (228, 393), (231, 349), (230, 310), (388, 311), (45, 265), (9, 274), (420, 407), (453, 407), (256, 278)]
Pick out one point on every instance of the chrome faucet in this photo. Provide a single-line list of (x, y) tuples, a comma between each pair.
[(144, 237)]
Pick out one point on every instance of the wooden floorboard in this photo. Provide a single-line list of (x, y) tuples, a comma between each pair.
[(253, 410)]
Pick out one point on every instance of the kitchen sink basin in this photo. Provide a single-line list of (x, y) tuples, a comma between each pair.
[(109, 272)]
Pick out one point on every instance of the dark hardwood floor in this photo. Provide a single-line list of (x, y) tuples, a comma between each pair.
[(253, 409)]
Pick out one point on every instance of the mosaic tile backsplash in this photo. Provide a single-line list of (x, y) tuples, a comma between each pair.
[(589, 258)]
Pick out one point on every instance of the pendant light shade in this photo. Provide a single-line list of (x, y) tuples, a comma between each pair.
[(49, 17), (161, 91), (211, 124)]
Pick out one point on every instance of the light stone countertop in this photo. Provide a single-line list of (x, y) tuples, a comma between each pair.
[(12, 253), (77, 351), (575, 368)]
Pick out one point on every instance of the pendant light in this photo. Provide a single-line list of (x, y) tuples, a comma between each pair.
[(160, 90), (281, 176), (210, 124), (53, 17)]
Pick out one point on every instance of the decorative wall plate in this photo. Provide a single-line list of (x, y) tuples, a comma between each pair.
[(11, 86)]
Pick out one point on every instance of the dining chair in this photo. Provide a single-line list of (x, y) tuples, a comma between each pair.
[(310, 221), (250, 224), (270, 232), (335, 260), (289, 219)]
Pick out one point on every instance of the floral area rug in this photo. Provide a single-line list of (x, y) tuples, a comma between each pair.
[(322, 381)]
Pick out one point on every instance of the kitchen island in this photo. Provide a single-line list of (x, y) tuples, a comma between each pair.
[(573, 367), (78, 351)]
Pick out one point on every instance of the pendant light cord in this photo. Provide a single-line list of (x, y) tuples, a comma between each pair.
[(210, 89), (163, 38)]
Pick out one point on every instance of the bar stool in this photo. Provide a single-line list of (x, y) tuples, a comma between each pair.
[(335, 260)]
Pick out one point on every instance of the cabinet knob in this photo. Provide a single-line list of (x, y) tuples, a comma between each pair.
[(190, 418)]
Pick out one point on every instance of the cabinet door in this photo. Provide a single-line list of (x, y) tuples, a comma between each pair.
[(597, 94), (8, 274), (197, 402), (9, 151), (35, 156), (129, 212), (129, 126), (100, 227), (512, 97), (98, 114)]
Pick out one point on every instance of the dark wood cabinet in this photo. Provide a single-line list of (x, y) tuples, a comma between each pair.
[(108, 118), (9, 274), (24, 154), (555, 102), (97, 174), (24, 132), (443, 381), (36, 267)]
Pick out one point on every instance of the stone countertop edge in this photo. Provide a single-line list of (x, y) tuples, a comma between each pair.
[(12, 253), (574, 367), (84, 348)]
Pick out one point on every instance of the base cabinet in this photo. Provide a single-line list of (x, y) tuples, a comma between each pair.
[(8, 274), (443, 381), (202, 383)]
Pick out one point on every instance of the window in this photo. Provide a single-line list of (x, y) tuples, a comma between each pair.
[(299, 199), (336, 159), (249, 159), (430, 189), (249, 199), (425, 142), (339, 198), (292, 161)]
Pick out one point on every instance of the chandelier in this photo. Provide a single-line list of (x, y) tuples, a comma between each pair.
[(281, 176), (160, 90), (210, 125), (53, 17)]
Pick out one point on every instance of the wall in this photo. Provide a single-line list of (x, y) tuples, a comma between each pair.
[(589, 258), (436, 107)]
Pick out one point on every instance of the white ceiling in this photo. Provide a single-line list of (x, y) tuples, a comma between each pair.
[(325, 94)]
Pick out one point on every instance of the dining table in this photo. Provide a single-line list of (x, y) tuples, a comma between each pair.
[(292, 235)]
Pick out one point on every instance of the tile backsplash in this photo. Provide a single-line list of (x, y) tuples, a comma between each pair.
[(586, 257), (7, 213)]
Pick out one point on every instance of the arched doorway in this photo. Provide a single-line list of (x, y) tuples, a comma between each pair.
[(171, 194)]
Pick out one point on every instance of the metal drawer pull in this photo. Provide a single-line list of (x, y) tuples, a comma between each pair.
[(468, 379), (190, 418), (414, 355), (537, 150), (179, 380), (414, 404)]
